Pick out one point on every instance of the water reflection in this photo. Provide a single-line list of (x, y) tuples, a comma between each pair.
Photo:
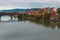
[(31, 19), (29, 28), (5, 18), (46, 23)]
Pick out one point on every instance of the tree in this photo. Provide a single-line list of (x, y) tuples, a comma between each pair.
[(47, 16)]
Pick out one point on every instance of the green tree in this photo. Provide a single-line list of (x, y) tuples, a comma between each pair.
[(47, 16)]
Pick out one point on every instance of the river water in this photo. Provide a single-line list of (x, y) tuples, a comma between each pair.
[(28, 29)]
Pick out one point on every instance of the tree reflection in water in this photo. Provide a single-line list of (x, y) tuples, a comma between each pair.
[(46, 23), (41, 21)]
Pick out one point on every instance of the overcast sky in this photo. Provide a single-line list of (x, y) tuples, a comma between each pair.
[(10, 4)]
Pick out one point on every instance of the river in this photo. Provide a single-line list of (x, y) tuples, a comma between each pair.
[(27, 29)]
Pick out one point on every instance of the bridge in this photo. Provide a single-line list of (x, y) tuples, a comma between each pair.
[(4, 13), (10, 14)]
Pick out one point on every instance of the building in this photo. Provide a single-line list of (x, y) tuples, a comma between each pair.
[(31, 12), (35, 12), (53, 14)]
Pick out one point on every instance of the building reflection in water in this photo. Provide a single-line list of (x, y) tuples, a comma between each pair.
[(46, 23), (53, 25)]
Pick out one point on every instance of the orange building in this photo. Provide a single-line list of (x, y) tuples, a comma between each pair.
[(34, 12)]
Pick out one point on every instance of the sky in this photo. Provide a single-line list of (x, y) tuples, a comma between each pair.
[(11, 4)]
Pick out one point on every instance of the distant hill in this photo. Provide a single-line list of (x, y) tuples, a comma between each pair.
[(18, 10)]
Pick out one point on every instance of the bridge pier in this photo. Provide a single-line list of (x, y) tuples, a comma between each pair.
[(11, 17)]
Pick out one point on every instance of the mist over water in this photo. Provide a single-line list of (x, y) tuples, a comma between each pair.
[(27, 29)]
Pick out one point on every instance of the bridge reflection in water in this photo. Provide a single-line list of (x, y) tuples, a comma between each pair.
[(8, 17)]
